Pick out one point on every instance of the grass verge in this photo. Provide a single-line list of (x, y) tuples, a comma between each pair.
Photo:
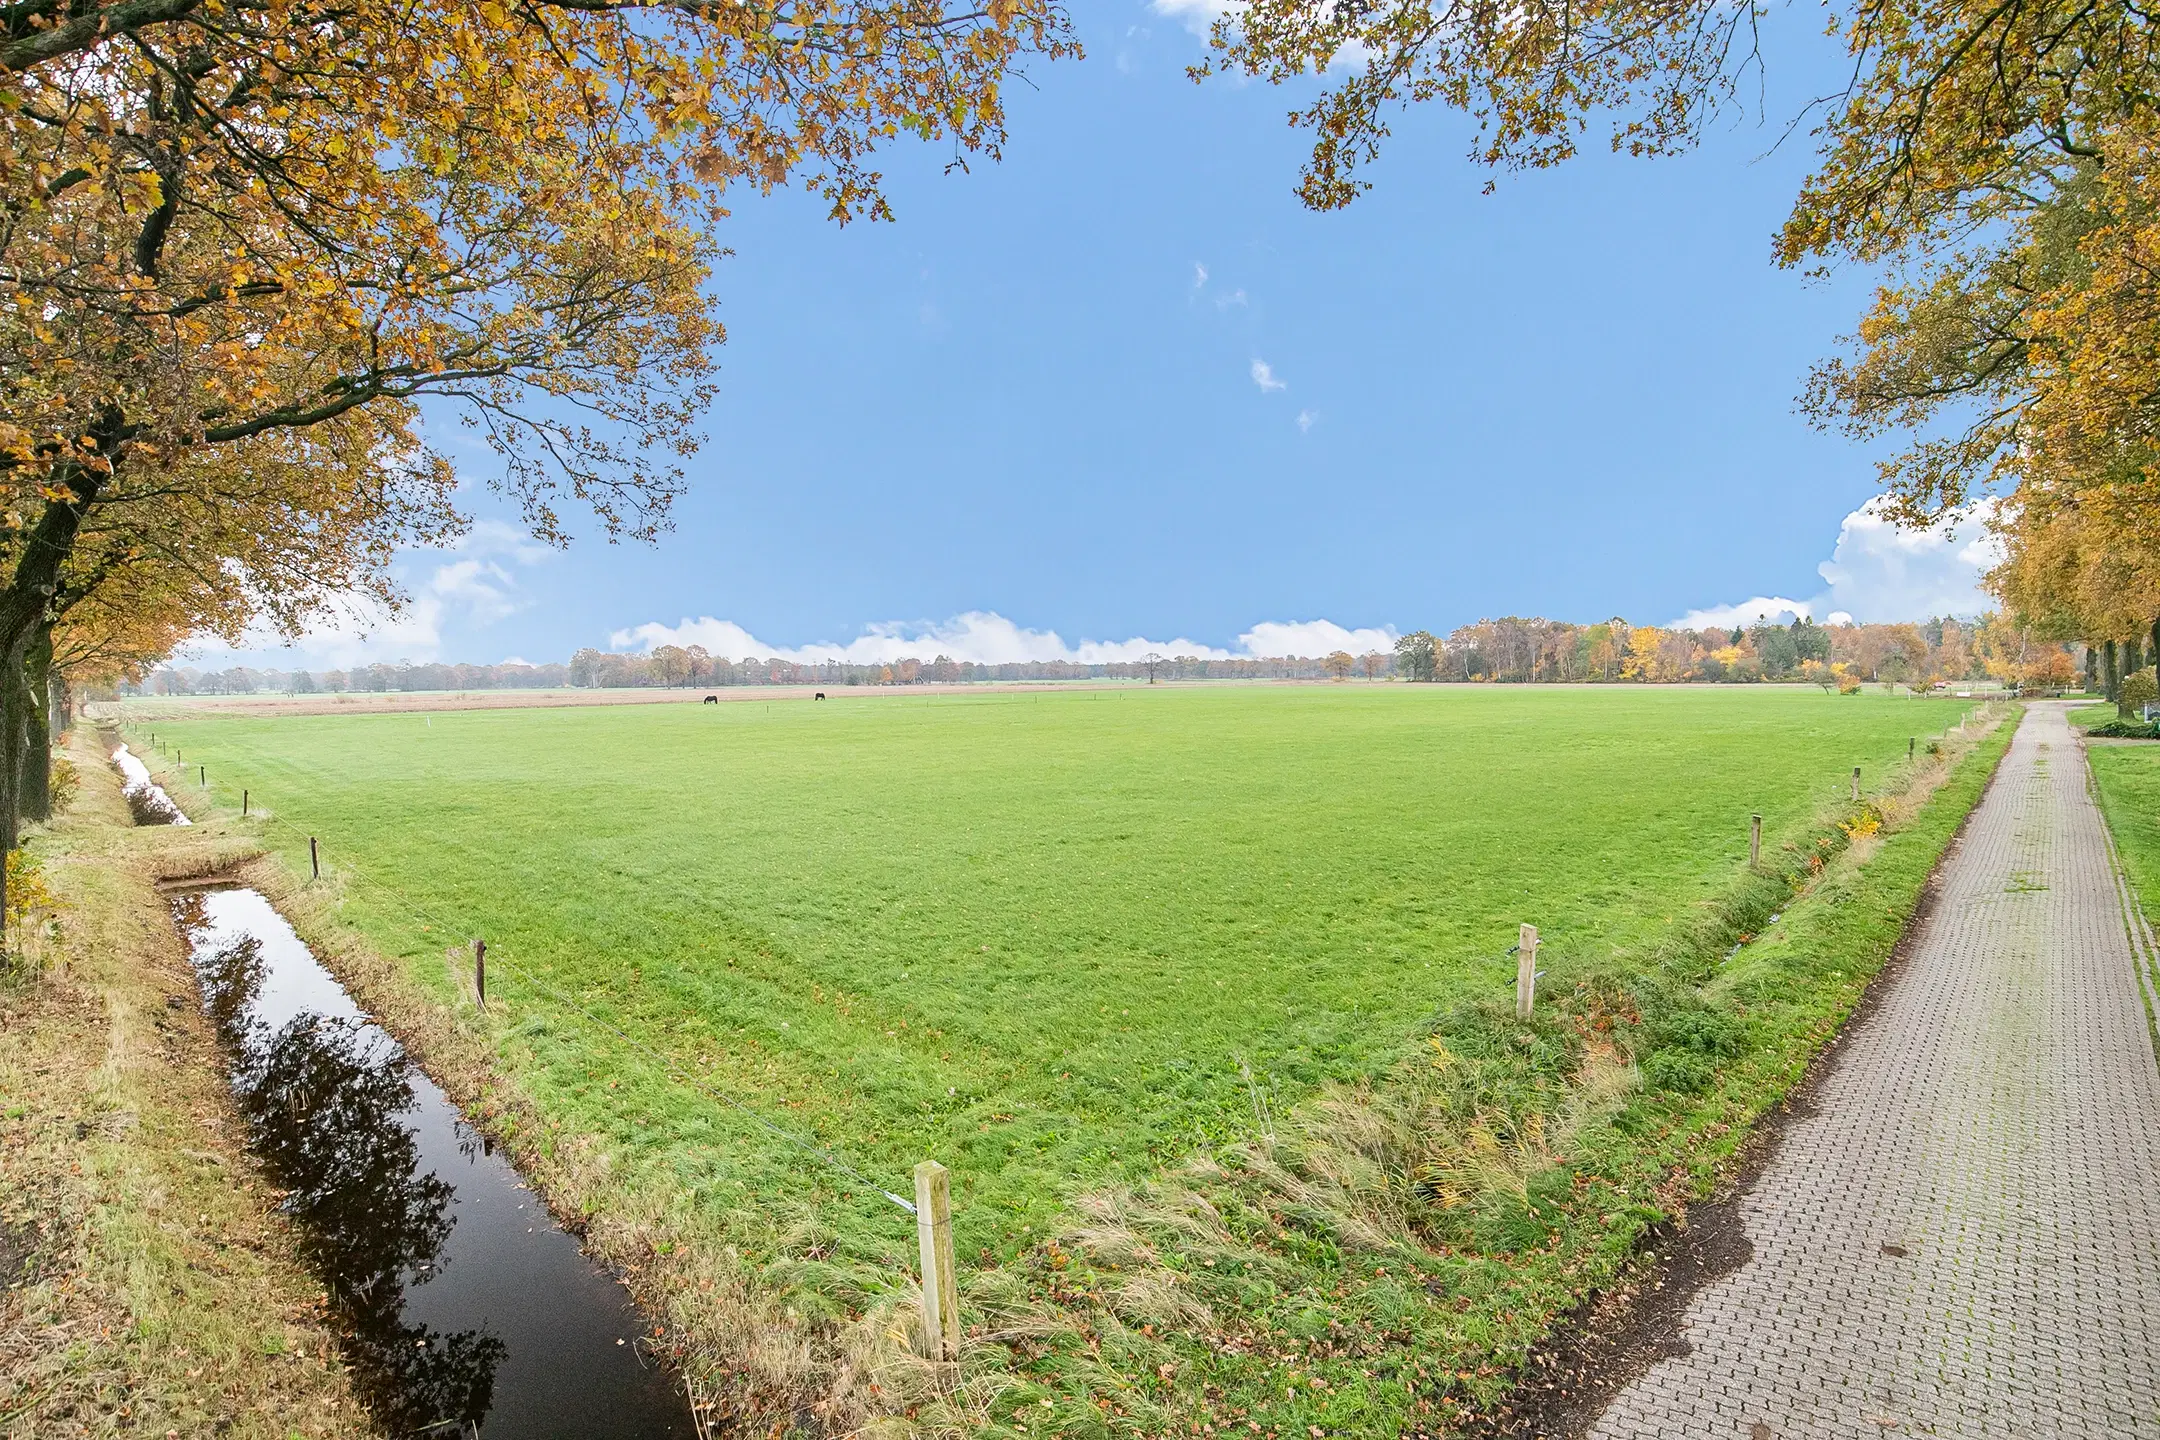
[(2127, 781), (1375, 1262), (1381, 1264), (150, 1285)]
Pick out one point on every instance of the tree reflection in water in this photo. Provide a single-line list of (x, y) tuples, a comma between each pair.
[(323, 1097)]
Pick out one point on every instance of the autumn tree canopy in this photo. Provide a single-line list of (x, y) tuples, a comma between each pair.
[(1997, 158), (1947, 109), (244, 241)]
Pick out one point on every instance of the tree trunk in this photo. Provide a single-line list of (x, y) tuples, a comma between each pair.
[(35, 679), (2110, 675), (26, 616)]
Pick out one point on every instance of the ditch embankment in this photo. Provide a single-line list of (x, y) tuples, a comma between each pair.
[(148, 1283)]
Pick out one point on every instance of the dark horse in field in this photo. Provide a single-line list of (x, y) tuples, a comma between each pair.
[(712, 699)]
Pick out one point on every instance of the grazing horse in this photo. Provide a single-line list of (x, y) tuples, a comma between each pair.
[(712, 699), (819, 696)]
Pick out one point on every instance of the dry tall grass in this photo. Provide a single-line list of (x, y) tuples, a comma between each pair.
[(150, 1286)]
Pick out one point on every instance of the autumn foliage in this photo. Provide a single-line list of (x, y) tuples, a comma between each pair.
[(1998, 159), (245, 244)]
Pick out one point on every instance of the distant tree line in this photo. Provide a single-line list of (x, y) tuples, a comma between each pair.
[(245, 680), (1508, 650), (690, 666), (1989, 649), (679, 665)]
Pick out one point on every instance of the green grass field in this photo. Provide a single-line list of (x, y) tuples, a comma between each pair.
[(1077, 913), (1057, 941)]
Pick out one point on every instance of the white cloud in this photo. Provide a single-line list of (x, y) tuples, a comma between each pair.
[(1199, 274), (1774, 608), (474, 585), (987, 638), (1879, 573), (1235, 297), (1305, 419), (1195, 15), (1311, 637), (1263, 375)]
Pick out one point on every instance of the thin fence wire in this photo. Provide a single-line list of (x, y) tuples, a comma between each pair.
[(672, 1067)]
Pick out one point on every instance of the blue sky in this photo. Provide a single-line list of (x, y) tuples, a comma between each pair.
[(1122, 387)]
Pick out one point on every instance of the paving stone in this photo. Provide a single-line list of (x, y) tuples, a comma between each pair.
[(1997, 1115)]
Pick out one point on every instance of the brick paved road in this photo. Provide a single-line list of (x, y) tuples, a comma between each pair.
[(1997, 1118)]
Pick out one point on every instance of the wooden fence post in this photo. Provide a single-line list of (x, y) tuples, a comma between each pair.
[(1526, 972), (1912, 744), (243, 800), (1754, 840), (940, 1287), (1856, 782), (479, 971), (314, 858), (203, 779)]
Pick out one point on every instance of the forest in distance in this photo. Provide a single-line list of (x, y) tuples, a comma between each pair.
[(1990, 649)]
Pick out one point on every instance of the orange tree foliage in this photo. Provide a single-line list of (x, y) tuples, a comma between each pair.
[(242, 241), (2000, 155), (1947, 104), (2030, 365)]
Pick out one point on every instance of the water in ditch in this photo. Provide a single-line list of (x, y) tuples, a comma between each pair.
[(465, 1309), (145, 797)]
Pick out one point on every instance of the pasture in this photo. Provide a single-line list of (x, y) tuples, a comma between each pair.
[(1053, 940)]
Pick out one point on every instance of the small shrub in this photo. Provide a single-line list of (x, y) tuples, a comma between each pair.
[(1697, 1029), (2136, 692), (26, 893), (1683, 1038), (1850, 685), (66, 783), (1681, 1072), (25, 886)]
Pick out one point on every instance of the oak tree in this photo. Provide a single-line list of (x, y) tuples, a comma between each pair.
[(245, 242)]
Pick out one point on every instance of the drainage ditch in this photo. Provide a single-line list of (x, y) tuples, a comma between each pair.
[(463, 1308)]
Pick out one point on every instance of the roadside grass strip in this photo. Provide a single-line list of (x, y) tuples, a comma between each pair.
[(2127, 782)]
